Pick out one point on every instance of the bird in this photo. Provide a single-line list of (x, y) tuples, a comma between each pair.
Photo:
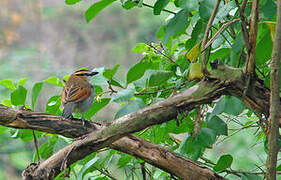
[(77, 94)]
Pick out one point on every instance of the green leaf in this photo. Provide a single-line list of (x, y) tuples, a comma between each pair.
[(206, 137), (96, 8), (196, 34), (54, 81), (25, 134), (176, 25), (137, 71), (71, 2), (131, 107), (191, 147), (223, 163), (223, 11), (86, 167), (189, 5), (116, 82), (8, 84), (218, 125), (233, 105), (99, 79), (277, 169), (36, 89), (46, 149), (6, 102), (22, 81), (96, 107), (3, 129), (219, 108), (268, 10), (159, 77), (220, 54), (140, 48), (159, 5), (124, 160), (246, 176), (264, 54), (123, 95), (109, 73), (18, 96), (98, 90), (128, 4), (206, 8), (236, 50), (53, 104), (238, 44)]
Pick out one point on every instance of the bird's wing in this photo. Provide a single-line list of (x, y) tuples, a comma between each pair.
[(75, 94)]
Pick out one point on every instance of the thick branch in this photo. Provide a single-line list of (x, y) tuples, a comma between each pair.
[(273, 147), (156, 155), (155, 114)]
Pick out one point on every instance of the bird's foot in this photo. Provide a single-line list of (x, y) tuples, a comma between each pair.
[(83, 121), (68, 117)]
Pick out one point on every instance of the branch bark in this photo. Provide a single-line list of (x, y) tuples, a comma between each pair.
[(250, 64), (222, 80), (273, 146), (156, 155)]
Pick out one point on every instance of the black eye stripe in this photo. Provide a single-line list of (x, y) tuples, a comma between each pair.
[(87, 74), (83, 74)]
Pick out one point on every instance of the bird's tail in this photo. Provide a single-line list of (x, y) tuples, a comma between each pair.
[(67, 111)]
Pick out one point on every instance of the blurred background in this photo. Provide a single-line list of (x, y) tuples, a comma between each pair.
[(39, 39)]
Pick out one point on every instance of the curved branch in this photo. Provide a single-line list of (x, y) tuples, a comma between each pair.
[(156, 155), (222, 80)]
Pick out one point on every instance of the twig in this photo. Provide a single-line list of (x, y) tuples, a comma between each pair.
[(244, 23), (36, 145), (154, 92), (110, 87), (250, 64), (168, 11), (160, 52), (143, 171), (197, 121), (161, 90), (206, 35), (231, 171), (105, 173), (218, 33)]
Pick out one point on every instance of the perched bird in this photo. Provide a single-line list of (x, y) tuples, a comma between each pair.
[(78, 94)]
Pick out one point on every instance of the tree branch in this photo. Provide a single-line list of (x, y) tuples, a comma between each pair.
[(155, 114), (222, 80), (244, 23), (156, 155), (250, 64), (218, 33), (273, 138), (206, 35)]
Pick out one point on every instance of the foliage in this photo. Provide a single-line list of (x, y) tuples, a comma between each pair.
[(166, 67)]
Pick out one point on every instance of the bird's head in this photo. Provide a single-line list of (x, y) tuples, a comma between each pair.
[(79, 75)]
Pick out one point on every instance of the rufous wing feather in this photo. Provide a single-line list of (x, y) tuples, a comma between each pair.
[(75, 94)]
